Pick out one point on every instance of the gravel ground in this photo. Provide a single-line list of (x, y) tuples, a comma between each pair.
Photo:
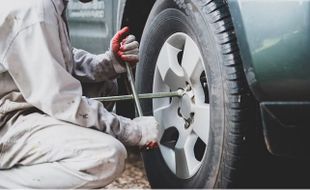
[(134, 176)]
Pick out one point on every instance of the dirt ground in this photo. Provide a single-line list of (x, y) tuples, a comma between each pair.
[(134, 176)]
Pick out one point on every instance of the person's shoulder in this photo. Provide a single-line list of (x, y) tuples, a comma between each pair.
[(15, 16), (25, 11), (16, 7), (17, 13)]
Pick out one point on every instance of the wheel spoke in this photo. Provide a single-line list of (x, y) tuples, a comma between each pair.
[(170, 157), (186, 162), (168, 66), (201, 125), (192, 60), (182, 169)]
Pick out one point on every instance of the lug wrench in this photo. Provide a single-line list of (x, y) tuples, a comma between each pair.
[(150, 145), (178, 93), (136, 97), (133, 89)]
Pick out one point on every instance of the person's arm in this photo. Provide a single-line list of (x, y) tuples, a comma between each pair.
[(35, 62), (96, 68)]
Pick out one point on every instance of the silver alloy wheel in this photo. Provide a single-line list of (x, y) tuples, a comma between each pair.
[(184, 122)]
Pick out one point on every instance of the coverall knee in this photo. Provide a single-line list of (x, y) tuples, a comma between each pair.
[(38, 151)]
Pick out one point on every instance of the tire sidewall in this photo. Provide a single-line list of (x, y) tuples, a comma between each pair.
[(167, 18)]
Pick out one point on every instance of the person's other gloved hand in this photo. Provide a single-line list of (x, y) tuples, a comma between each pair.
[(149, 130), (125, 48)]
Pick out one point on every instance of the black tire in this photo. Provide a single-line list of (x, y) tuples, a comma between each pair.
[(209, 24)]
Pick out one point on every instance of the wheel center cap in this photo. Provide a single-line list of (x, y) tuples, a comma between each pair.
[(185, 108)]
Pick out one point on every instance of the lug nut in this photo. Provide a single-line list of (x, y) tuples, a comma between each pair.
[(189, 121), (188, 86), (187, 125), (179, 112), (193, 99)]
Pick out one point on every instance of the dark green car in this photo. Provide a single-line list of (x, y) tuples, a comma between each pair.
[(245, 67)]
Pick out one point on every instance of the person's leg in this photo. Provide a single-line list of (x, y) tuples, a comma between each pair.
[(38, 151), (102, 89)]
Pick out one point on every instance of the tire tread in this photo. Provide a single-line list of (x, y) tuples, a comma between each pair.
[(237, 95)]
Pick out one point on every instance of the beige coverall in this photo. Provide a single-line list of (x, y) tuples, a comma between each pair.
[(45, 121)]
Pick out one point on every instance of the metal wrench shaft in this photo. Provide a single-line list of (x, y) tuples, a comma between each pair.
[(133, 89), (151, 145), (178, 93)]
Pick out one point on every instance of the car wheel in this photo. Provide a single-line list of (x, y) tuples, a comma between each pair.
[(191, 45)]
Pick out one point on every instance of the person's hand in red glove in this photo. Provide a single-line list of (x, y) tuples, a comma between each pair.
[(124, 48)]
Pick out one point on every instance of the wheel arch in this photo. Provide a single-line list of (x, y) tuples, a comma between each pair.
[(135, 15)]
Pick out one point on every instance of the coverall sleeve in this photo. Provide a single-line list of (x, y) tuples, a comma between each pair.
[(36, 63), (94, 68)]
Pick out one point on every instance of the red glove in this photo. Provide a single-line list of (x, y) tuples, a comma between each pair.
[(125, 47)]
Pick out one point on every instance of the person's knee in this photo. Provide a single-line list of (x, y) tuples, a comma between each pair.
[(120, 157), (109, 164)]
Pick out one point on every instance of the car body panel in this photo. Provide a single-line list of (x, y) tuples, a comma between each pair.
[(274, 38), (286, 128), (93, 24)]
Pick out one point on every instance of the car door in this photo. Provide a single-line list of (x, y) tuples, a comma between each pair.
[(93, 24)]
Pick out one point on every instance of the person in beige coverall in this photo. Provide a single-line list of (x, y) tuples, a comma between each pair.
[(51, 134)]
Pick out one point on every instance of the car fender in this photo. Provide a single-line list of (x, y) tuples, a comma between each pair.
[(274, 39)]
